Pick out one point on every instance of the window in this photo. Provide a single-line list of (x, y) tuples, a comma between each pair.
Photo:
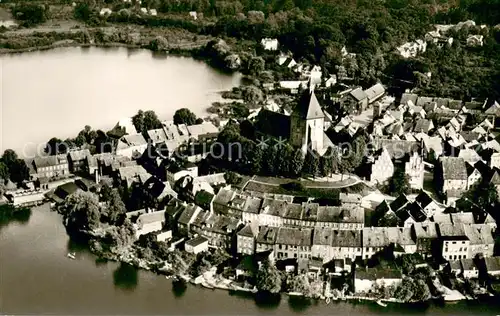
[(295, 255), (463, 242), (454, 242)]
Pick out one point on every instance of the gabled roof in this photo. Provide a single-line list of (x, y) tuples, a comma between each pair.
[(308, 106), (399, 203), (374, 91), (79, 154), (454, 168), (494, 109), (358, 94), (424, 199)]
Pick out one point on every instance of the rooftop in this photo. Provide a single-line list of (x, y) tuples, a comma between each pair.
[(294, 236), (308, 106), (453, 168), (196, 241)]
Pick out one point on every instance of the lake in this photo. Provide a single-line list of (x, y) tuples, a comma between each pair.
[(55, 93), (36, 277)]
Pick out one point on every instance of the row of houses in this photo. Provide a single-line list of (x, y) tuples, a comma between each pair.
[(278, 212), (450, 241)]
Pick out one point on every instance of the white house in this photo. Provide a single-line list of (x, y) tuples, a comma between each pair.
[(454, 172), (382, 168), (269, 43), (131, 146), (365, 279), (412, 49), (149, 222), (414, 168), (196, 245)]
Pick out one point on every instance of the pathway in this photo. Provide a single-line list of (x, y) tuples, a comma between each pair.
[(352, 180)]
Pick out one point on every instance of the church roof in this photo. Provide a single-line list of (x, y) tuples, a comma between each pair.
[(308, 106)]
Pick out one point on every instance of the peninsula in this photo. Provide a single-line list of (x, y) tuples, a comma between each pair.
[(360, 161)]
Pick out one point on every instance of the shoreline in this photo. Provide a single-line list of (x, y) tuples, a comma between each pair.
[(204, 284)]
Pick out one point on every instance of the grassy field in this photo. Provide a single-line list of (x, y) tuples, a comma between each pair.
[(326, 193)]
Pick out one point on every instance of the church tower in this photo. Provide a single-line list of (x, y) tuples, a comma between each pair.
[(307, 123)]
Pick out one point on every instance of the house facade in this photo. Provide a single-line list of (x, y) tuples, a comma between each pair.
[(50, 167), (454, 174), (382, 168), (414, 168)]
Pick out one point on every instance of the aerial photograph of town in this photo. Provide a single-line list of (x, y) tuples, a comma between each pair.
[(249, 157)]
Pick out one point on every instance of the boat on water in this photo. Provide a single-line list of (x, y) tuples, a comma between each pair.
[(71, 255), (327, 300), (379, 302)]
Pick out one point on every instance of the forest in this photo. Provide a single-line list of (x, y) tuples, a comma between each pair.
[(315, 31)]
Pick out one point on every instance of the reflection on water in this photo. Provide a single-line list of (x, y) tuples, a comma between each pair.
[(179, 288), (125, 277), (78, 244), (299, 303), (9, 214), (267, 300), (100, 261)]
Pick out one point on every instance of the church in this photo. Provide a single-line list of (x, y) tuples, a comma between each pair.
[(304, 128)]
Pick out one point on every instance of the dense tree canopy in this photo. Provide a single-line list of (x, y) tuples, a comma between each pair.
[(399, 182), (81, 211), (30, 13), (13, 168), (184, 116), (145, 121), (269, 278)]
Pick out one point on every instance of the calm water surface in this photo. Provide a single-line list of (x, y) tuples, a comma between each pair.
[(37, 278), (57, 92)]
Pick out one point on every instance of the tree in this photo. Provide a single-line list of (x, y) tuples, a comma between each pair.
[(138, 121), (115, 207), (232, 177), (9, 157), (83, 12), (81, 211), (297, 162), (268, 278), (19, 171), (31, 14), (484, 195), (388, 220), (150, 121), (55, 146), (399, 182), (256, 160), (184, 116), (326, 162), (404, 292), (119, 237), (4, 172), (284, 161), (256, 65), (311, 163), (299, 283), (270, 159)]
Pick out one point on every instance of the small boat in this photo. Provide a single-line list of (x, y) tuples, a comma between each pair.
[(379, 302), (71, 255), (327, 300)]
